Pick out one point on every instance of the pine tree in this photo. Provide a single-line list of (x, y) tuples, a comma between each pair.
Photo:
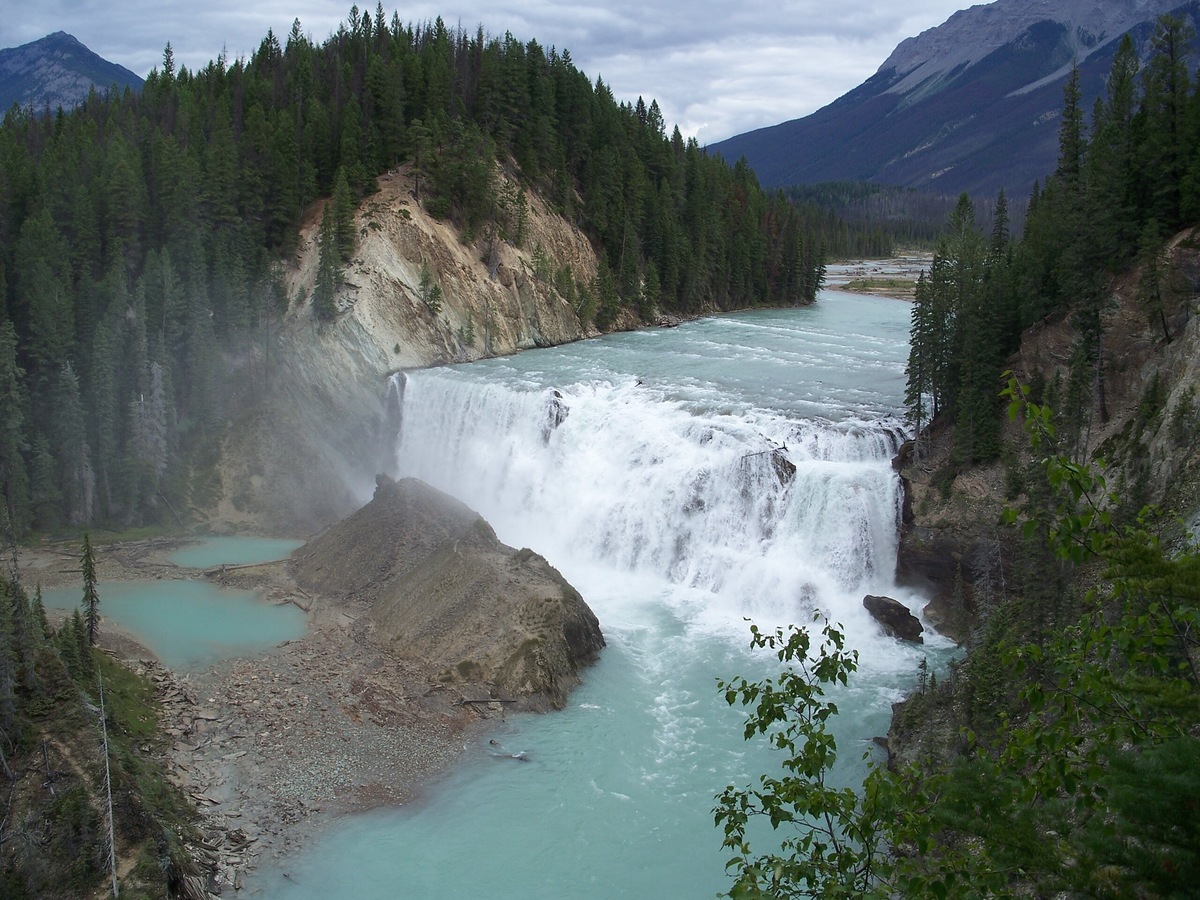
[(66, 643), (41, 624), (328, 269), (75, 476), (1071, 140), (1150, 287), (83, 647), (1166, 87), (343, 216), (429, 290), (150, 413), (91, 597), (14, 478), (1111, 165), (922, 347)]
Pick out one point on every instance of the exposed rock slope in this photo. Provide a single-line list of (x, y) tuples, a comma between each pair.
[(318, 431), (436, 585), (954, 544), (971, 35)]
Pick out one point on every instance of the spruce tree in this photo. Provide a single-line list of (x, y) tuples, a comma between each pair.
[(1166, 88), (1111, 165), (919, 394), (91, 597), (343, 216), (14, 401), (1071, 140), (75, 476), (328, 269)]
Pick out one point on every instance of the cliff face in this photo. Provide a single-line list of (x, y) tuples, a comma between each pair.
[(308, 453), (954, 544), (971, 35), (436, 585)]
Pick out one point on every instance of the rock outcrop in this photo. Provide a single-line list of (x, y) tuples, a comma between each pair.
[(316, 426), (436, 585), (973, 34), (954, 545), (55, 71), (895, 618)]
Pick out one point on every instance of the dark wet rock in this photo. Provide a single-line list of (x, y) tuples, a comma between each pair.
[(556, 413), (895, 618), (785, 469)]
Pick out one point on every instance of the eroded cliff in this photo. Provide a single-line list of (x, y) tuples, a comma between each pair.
[(954, 543), (306, 453)]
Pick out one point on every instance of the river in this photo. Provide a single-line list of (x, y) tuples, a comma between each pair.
[(684, 480)]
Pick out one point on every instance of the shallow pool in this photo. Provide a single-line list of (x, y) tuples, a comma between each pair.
[(189, 624), (233, 551)]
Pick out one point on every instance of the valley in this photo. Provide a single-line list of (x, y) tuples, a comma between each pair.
[(395, 294)]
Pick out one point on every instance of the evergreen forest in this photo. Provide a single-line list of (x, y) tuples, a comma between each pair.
[(1127, 178), (862, 220), (142, 236)]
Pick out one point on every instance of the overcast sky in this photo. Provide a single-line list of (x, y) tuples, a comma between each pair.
[(716, 68)]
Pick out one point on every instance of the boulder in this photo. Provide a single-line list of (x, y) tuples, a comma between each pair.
[(895, 618), (556, 413), (441, 590)]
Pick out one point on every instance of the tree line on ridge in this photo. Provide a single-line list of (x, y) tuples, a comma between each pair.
[(142, 236)]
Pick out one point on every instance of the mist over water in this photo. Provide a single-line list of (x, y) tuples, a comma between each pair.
[(683, 480)]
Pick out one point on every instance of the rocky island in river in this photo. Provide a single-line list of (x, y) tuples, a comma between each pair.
[(423, 627)]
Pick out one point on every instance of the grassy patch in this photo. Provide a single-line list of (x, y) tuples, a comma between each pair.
[(130, 703), (153, 817)]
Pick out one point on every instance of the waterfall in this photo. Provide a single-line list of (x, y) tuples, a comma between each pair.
[(683, 480), (764, 515)]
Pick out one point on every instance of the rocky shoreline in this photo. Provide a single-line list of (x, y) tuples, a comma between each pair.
[(273, 747)]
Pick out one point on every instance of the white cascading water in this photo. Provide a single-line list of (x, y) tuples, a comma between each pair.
[(772, 517), (684, 480)]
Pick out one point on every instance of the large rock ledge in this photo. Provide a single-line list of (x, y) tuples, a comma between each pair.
[(436, 585)]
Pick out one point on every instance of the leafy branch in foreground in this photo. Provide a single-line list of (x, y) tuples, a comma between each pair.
[(834, 833)]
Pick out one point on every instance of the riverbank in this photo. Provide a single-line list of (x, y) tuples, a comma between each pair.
[(895, 278), (273, 747)]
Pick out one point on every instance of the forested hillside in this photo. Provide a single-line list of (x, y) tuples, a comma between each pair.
[(1121, 187), (142, 236), (70, 773), (858, 219)]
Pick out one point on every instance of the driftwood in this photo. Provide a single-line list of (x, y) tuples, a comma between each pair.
[(488, 700)]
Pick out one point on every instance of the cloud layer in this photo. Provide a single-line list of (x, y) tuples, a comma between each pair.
[(716, 69)]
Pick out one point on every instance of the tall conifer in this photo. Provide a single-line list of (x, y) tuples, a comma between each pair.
[(91, 596)]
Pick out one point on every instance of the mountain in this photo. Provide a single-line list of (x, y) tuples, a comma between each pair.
[(971, 105), (55, 71)]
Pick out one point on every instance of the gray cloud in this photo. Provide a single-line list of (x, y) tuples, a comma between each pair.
[(716, 68)]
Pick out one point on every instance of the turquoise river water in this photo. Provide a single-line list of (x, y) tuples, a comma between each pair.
[(191, 624), (652, 469)]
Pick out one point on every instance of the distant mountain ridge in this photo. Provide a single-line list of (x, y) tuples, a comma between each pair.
[(971, 105), (55, 71)]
